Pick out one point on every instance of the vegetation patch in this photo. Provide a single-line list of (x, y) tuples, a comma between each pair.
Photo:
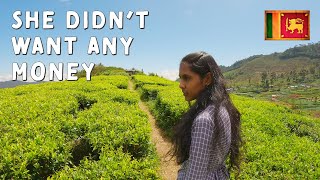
[(84, 102), (82, 148), (278, 142)]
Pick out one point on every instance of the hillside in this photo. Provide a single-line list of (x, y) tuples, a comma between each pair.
[(300, 64)]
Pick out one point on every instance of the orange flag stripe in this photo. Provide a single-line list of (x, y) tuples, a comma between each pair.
[(276, 25)]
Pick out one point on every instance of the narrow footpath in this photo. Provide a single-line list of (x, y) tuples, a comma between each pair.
[(168, 168)]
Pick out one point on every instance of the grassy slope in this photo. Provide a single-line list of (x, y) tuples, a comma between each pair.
[(269, 63)]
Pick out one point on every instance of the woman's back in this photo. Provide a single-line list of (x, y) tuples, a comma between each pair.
[(210, 143)]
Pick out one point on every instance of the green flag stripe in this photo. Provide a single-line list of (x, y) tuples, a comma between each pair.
[(269, 25)]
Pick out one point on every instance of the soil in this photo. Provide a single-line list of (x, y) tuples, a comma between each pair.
[(168, 166)]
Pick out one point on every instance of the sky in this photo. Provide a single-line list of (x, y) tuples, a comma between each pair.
[(229, 30)]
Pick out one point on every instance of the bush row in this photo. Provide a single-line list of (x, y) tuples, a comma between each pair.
[(278, 144), (80, 129), (165, 100)]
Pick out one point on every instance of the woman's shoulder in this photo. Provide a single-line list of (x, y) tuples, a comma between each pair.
[(205, 116), (207, 112)]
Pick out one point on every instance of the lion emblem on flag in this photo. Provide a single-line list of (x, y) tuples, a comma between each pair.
[(294, 24)]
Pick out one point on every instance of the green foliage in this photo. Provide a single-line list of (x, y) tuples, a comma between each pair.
[(43, 127), (300, 64), (278, 144), (312, 50), (274, 144), (78, 129), (170, 105), (168, 101), (240, 63), (112, 165), (150, 91), (141, 80), (100, 69)]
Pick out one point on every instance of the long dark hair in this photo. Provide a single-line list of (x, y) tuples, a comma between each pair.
[(202, 64)]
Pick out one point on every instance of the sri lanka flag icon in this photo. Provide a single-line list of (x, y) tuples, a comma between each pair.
[(287, 25)]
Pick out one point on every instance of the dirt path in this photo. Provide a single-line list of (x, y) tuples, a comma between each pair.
[(168, 168)]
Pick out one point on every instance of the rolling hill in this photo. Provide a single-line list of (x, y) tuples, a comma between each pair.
[(300, 64)]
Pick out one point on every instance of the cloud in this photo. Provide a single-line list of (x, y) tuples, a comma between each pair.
[(19, 78), (169, 74), (5, 77)]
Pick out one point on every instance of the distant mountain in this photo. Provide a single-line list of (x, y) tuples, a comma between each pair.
[(300, 64), (9, 84)]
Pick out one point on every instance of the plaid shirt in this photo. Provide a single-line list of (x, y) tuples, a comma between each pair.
[(207, 152)]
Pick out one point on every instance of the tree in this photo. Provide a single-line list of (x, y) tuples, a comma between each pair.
[(288, 79), (312, 70), (273, 78), (302, 75), (264, 80), (294, 76), (267, 84)]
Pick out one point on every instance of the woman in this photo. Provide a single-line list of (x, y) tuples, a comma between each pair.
[(209, 131)]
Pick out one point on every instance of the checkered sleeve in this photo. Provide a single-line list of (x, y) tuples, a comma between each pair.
[(201, 142)]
